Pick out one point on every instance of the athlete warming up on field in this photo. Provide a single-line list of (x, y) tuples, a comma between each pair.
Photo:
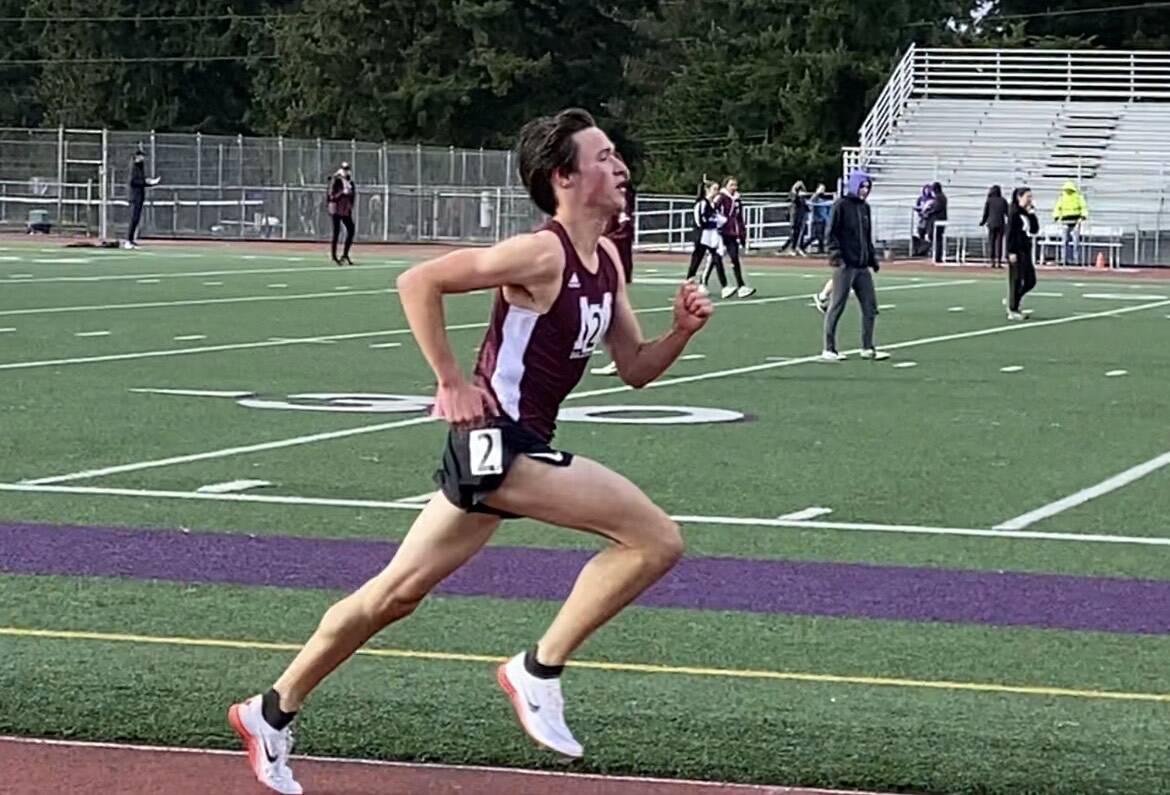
[(559, 293)]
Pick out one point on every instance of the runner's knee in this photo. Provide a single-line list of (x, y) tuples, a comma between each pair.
[(664, 547)]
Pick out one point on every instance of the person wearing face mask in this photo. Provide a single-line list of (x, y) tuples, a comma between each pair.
[(139, 182), (853, 257), (342, 196)]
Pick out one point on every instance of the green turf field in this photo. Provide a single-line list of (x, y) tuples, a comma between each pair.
[(131, 380)]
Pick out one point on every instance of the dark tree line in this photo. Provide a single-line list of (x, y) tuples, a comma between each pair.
[(767, 89)]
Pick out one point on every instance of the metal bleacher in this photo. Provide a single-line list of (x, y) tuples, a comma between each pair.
[(969, 119)]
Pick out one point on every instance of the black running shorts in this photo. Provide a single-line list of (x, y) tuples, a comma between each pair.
[(475, 462)]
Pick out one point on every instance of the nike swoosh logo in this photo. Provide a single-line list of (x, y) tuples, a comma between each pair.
[(554, 457), (267, 753), (533, 707)]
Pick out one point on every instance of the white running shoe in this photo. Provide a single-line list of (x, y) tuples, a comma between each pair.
[(832, 356), (539, 706), (267, 748), (876, 355), (1015, 316), (728, 291), (609, 369), (745, 291)]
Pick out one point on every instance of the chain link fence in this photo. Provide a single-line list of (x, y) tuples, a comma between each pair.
[(238, 187)]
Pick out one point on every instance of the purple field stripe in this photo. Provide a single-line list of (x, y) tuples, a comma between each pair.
[(754, 586)]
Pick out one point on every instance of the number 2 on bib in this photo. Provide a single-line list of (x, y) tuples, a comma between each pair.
[(486, 451), (594, 323)]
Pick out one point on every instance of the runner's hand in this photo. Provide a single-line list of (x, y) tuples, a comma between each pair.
[(692, 307), (463, 404)]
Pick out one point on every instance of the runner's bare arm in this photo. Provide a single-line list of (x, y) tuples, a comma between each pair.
[(640, 361), (523, 262)]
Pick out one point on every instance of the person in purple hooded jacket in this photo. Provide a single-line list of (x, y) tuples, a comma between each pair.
[(853, 256)]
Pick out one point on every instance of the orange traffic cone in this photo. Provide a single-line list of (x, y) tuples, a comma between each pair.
[(1101, 260)]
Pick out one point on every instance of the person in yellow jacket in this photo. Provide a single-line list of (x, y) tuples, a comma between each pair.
[(1070, 210)]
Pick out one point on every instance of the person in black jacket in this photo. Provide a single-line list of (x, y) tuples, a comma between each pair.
[(852, 255), (707, 221), (936, 222), (1022, 226), (798, 217), (995, 212), (139, 182)]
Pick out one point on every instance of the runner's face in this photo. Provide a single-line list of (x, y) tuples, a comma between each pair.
[(602, 176)]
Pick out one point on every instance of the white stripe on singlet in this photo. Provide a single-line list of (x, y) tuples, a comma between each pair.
[(519, 324)]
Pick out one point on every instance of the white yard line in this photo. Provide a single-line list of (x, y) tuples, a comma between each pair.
[(574, 396), (115, 357), (238, 346), (195, 392), (230, 451), (418, 498), (1120, 480), (753, 368), (1123, 297), (245, 299), (812, 512), (192, 274), (232, 486), (735, 521)]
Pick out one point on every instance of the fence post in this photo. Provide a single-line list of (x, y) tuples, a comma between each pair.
[(500, 201), (418, 190), (284, 212), (219, 175), (149, 219), (103, 188), (60, 169), (240, 172), (198, 182), (386, 193)]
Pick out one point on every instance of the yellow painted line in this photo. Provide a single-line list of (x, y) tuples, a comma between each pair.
[(642, 668)]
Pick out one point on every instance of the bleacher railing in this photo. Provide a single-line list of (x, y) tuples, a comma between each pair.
[(1066, 75), (888, 107), (1048, 74)]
